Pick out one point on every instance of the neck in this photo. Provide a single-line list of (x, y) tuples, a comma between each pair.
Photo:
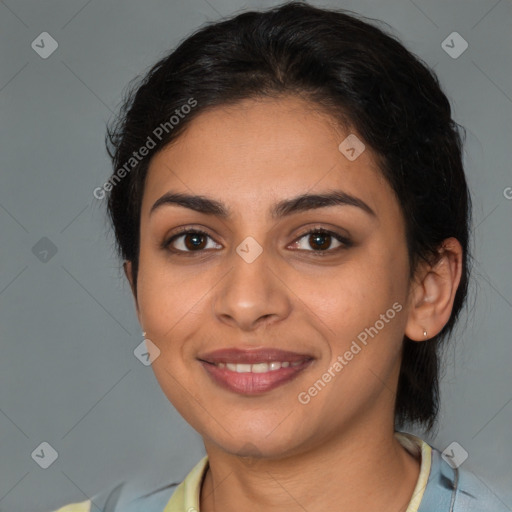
[(362, 470)]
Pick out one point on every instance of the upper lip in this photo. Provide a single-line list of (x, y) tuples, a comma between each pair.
[(236, 355)]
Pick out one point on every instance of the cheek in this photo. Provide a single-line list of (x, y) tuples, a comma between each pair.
[(160, 309), (175, 307), (165, 294), (361, 297)]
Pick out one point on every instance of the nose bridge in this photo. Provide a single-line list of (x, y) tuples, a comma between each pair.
[(252, 289)]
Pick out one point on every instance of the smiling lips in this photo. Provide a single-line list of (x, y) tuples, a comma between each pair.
[(252, 372)]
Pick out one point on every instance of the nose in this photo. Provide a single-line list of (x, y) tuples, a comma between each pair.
[(252, 294)]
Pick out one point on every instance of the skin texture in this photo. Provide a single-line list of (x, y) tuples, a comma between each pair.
[(271, 452)]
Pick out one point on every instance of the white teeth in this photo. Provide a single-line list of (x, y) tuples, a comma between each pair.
[(258, 367), (239, 368)]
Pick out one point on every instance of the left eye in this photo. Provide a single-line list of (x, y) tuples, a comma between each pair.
[(322, 239)]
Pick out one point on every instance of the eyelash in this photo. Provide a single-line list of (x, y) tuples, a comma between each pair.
[(185, 231)]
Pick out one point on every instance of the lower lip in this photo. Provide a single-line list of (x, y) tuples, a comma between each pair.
[(253, 383)]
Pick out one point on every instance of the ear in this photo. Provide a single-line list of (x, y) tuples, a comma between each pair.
[(433, 292), (128, 272)]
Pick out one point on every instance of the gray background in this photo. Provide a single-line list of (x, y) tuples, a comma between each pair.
[(68, 375)]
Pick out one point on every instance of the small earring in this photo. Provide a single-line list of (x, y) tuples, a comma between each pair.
[(425, 332), (144, 334)]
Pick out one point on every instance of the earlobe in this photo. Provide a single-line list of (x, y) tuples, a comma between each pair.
[(433, 293)]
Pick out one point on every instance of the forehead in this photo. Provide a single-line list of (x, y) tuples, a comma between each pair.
[(256, 151)]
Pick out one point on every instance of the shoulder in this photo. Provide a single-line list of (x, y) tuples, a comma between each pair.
[(455, 489), (83, 506), (120, 499), (168, 497), (154, 501)]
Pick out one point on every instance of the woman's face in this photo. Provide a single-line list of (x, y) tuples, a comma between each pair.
[(256, 282)]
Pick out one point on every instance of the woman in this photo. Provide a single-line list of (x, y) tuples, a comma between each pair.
[(290, 204)]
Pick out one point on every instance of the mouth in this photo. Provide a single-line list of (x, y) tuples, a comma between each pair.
[(252, 372)]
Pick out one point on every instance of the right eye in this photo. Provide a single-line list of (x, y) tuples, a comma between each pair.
[(193, 240)]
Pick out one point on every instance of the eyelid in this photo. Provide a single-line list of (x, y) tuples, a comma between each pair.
[(323, 229)]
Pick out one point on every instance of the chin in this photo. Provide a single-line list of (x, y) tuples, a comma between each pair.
[(258, 444)]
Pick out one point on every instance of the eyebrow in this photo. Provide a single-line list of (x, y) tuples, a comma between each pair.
[(286, 207)]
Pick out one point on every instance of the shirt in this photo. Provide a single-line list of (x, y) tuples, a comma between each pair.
[(439, 488)]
